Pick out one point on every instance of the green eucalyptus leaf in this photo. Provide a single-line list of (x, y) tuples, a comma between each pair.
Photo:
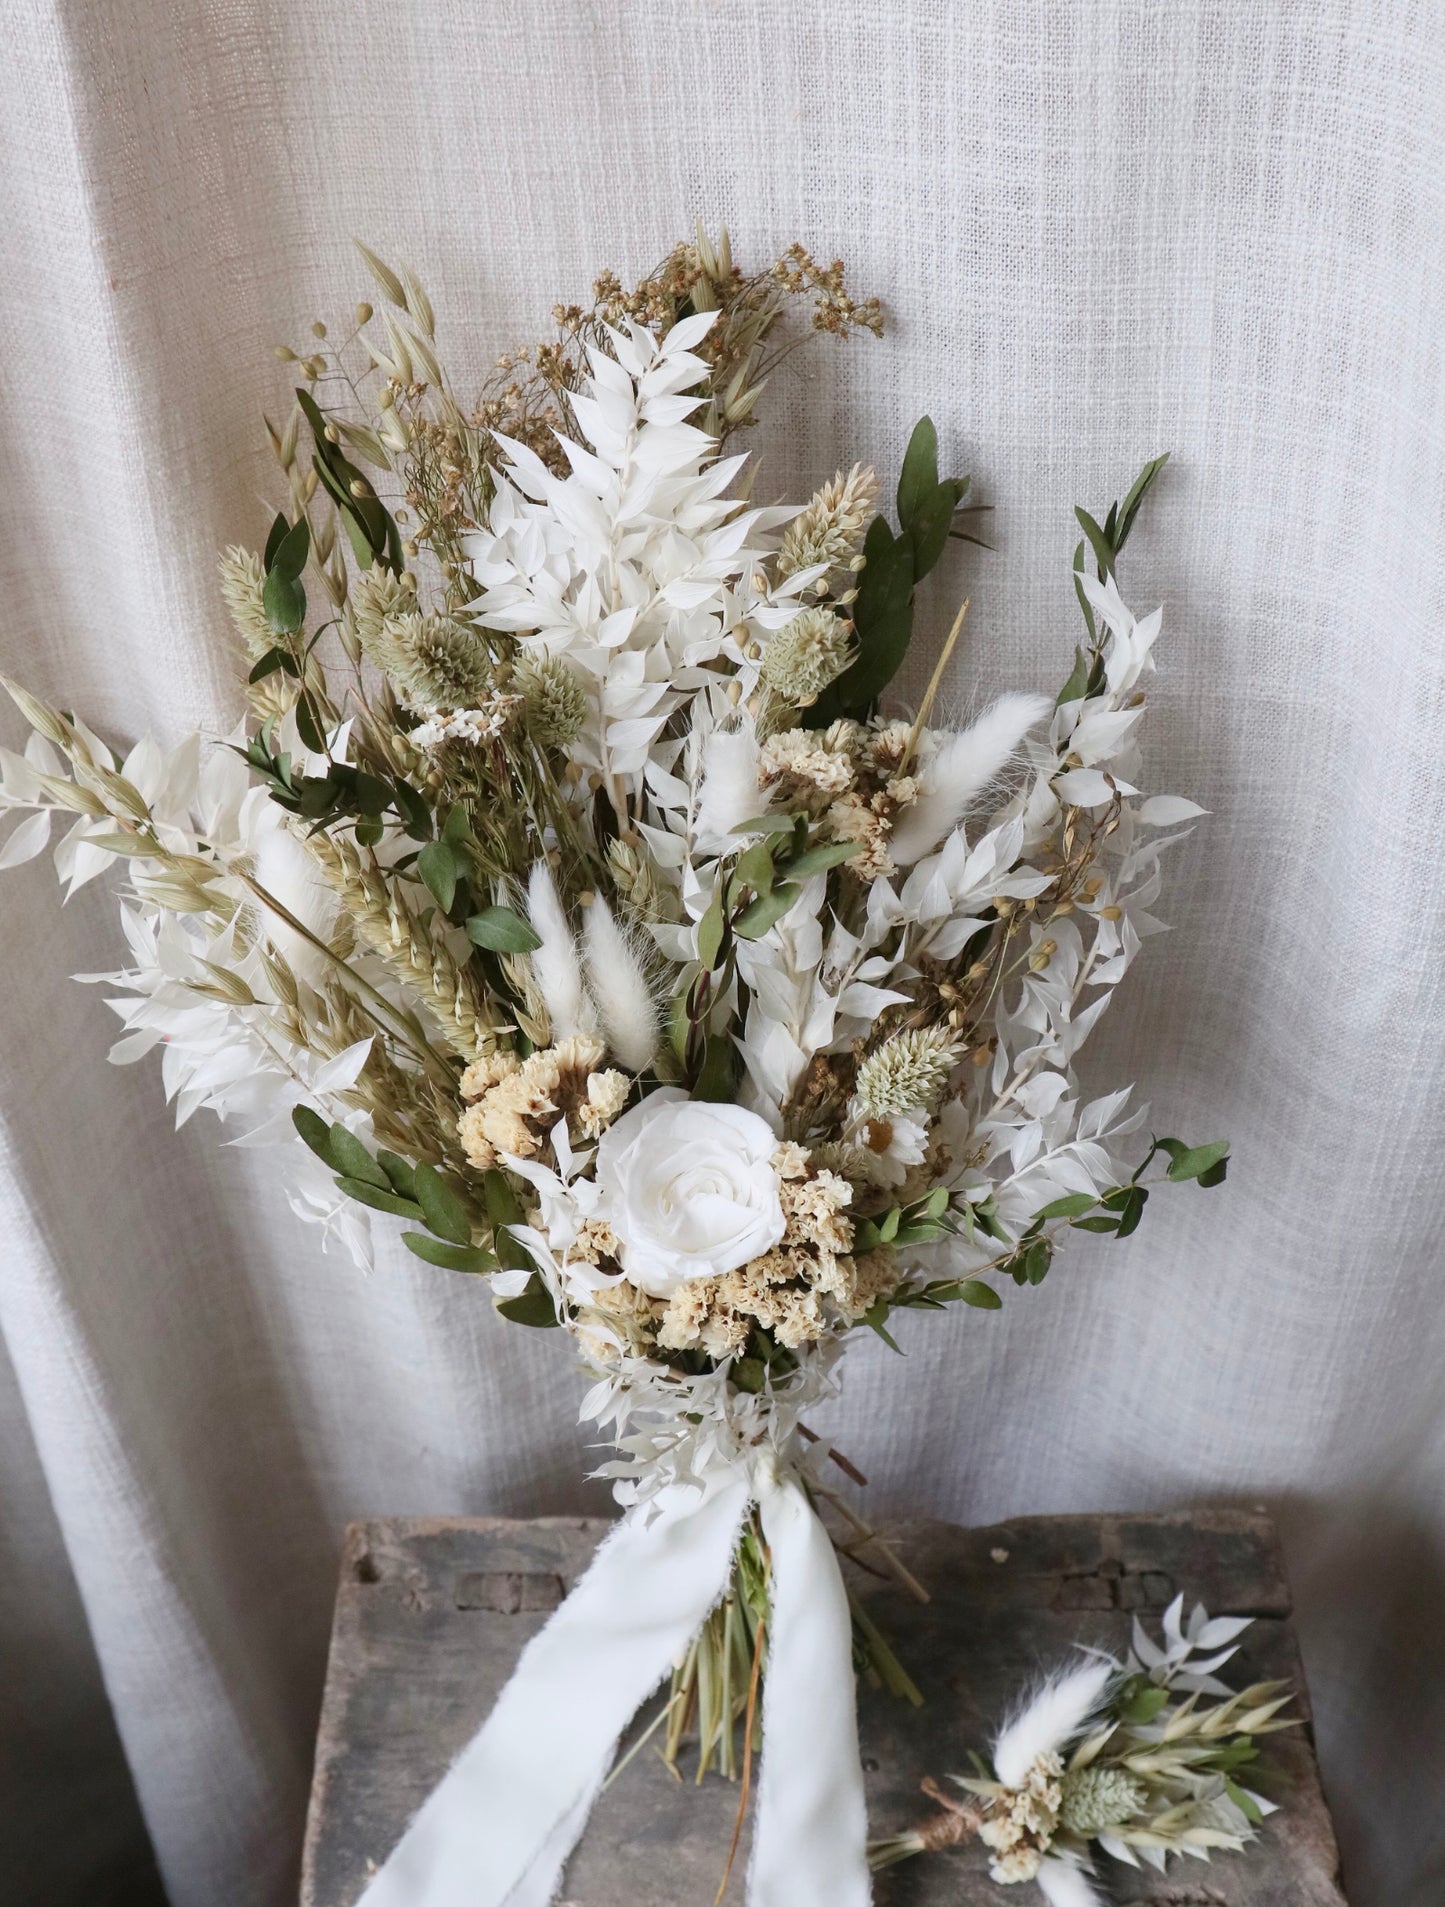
[(499, 930), (882, 618), (365, 1193), (445, 1214), (284, 601), (503, 1205), (361, 544), (273, 660), (1079, 675), (371, 794), (983, 1297), (399, 1172), (1144, 1704), (411, 805), (1087, 607), (1189, 1162), (918, 478), (755, 919), (534, 1306), (308, 725), (755, 868), (816, 860), (1245, 1802), (317, 797), (350, 1156), (712, 931), (717, 1077), (1098, 542), (875, 1317), (1132, 1211), (504, 1209), (289, 557), (931, 525), (986, 1218), (1036, 1261), (274, 540), (1130, 506), (765, 824), (1068, 1207), (437, 866), (315, 1131), (450, 1257)]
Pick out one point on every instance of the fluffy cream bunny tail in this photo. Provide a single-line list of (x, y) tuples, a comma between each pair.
[(1065, 1884), (962, 768), (619, 987), (1050, 1719), (555, 964)]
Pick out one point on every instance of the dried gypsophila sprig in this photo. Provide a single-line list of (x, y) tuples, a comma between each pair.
[(1129, 1757)]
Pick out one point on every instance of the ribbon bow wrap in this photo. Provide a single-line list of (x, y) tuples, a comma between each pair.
[(498, 1828)]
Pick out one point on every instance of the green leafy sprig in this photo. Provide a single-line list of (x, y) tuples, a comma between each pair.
[(895, 563)]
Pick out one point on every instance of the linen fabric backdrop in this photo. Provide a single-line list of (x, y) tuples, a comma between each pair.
[(1102, 231)]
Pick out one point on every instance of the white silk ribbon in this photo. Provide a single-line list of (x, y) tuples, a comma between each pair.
[(497, 1829)]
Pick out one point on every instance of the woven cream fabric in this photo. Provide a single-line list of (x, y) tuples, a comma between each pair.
[(1211, 226)]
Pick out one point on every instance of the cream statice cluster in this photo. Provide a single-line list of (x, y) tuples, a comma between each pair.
[(1143, 1759), (577, 901)]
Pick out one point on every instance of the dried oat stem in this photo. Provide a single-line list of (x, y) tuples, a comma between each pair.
[(933, 685), (747, 1759), (870, 1539), (417, 956)]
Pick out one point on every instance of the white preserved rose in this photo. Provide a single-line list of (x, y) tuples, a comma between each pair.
[(690, 1190)]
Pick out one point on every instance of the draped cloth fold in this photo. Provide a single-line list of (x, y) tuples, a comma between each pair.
[(497, 1829)]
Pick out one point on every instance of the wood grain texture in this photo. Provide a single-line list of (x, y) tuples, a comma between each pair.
[(432, 1614)]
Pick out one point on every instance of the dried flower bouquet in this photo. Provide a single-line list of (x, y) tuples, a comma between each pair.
[(574, 892), (1130, 1757)]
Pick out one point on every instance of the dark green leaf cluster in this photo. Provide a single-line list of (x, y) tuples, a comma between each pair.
[(370, 527), (417, 1191), (918, 1223), (344, 792), (1106, 540), (763, 883), (283, 598), (282, 594), (894, 564), (1116, 1212), (534, 1305), (448, 868)]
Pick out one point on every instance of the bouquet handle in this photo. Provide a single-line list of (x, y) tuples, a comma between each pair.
[(497, 1829)]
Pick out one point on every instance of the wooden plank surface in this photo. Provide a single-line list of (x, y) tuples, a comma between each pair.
[(432, 1614)]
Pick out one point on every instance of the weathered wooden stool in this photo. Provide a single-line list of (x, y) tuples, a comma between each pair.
[(431, 1616)]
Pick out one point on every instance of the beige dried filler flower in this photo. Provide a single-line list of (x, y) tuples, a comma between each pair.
[(797, 1289), (516, 1103)]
